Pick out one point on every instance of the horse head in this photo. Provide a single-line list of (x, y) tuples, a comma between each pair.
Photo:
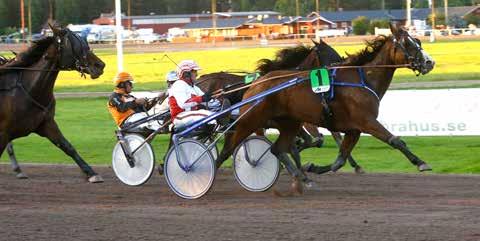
[(75, 54), (326, 54), (411, 51)]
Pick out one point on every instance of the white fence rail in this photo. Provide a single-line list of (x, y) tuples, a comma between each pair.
[(438, 32)]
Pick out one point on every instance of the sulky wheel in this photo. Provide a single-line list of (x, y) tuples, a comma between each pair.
[(254, 165), (144, 161), (191, 175)]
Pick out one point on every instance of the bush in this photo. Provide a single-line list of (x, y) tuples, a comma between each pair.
[(457, 22), (360, 25), (439, 19), (379, 23), (7, 30)]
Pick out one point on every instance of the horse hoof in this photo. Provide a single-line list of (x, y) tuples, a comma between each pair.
[(336, 166), (22, 175), (359, 170), (297, 187), (309, 183), (424, 167), (95, 179), (307, 167), (160, 170)]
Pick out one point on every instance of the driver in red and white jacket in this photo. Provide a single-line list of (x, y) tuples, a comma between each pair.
[(185, 98)]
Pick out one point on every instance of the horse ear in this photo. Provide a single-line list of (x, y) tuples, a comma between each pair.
[(394, 29), (56, 29), (315, 42)]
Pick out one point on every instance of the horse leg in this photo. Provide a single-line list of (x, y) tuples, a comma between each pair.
[(338, 139), (50, 130), (160, 166), (350, 140), (3, 143), (232, 140), (288, 130), (15, 167), (295, 155), (377, 130)]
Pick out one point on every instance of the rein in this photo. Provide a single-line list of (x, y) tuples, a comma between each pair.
[(221, 92), (30, 97), (225, 72), (31, 69)]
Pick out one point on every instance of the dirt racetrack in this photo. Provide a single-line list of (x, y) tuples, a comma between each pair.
[(57, 204)]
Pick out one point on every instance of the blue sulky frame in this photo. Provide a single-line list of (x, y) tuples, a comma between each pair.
[(256, 99), (129, 154)]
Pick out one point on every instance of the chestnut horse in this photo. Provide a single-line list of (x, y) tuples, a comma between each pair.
[(26, 92), (354, 109), (299, 57)]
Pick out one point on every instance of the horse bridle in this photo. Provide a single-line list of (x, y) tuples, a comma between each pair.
[(80, 61), (415, 60)]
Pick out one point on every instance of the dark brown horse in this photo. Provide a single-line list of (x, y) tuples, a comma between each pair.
[(299, 57), (354, 109), (26, 91)]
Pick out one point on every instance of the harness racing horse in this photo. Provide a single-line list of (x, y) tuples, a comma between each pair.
[(300, 57), (26, 92), (354, 109)]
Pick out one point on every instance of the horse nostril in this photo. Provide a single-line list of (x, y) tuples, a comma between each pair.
[(429, 62), (99, 65)]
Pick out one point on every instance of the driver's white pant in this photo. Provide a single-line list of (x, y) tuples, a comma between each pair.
[(188, 117), (152, 125)]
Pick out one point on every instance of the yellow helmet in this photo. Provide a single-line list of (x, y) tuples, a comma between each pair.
[(122, 77)]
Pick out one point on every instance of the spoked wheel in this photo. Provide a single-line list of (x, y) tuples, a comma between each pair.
[(254, 165), (214, 150), (144, 162), (191, 175)]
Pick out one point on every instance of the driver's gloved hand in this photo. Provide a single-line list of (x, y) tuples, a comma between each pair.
[(206, 97), (140, 101)]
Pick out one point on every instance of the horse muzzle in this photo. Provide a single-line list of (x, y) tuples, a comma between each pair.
[(427, 66)]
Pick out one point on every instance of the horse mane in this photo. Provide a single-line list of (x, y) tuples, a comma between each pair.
[(29, 56), (284, 59), (368, 53)]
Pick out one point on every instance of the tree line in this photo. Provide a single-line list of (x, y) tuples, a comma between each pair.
[(84, 11)]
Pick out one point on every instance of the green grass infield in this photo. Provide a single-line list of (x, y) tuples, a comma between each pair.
[(455, 60)]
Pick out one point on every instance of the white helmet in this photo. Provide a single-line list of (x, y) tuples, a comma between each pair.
[(186, 66), (171, 76)]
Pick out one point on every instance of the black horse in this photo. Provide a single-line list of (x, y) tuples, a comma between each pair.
[(299, 57), (26, 91)]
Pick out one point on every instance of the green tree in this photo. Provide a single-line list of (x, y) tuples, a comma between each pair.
[(360, 25), (379, 23)]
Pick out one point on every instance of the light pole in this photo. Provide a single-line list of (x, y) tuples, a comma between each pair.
[(432, 35), (317, 9), (129, 12), (118, 24), (409, 14), (297, 12), (29, 19), (22, 19), (214, 19), (51, 10), (445, 3)]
